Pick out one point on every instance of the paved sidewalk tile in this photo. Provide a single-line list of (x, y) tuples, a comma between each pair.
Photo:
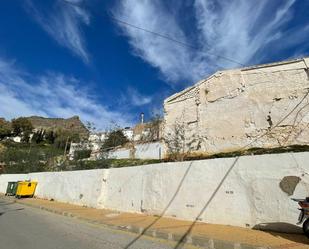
[(201, 234)]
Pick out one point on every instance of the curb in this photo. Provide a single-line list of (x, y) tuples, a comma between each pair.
[(203, 242)]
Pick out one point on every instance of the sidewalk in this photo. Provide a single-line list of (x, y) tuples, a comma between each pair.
[(204, 235)]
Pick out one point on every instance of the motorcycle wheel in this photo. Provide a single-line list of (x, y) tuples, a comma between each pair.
[(306, 227)]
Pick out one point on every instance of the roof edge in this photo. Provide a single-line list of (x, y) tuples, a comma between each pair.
[(257, 66)]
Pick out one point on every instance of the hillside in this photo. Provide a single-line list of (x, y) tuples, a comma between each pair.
[(71, 124)]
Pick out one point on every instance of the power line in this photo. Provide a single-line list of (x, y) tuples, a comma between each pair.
[(173, 40), (181, 43)]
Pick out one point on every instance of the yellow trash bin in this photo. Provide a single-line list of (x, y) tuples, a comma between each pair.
[(25, 188)]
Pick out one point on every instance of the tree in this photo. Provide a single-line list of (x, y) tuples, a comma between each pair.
[(63, 138), (38, 136), (50, 137), (5, 128), (22, 126), (82, 154), (115, 138)]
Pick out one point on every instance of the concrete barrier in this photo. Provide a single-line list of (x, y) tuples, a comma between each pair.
[(122, 153), (251, 194), (76, 187), (153, 150), (252, 191)]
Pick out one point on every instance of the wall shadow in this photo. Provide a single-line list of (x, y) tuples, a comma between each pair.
[(284, 230), (182, 240), (280, 227), (164, 210)]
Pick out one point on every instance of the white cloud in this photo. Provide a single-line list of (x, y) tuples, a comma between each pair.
[(239, 29), (242, 30), (63, 22), (135, 98), (167, 57), (51, 95)]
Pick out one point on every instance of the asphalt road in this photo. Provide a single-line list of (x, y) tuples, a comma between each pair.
[(29, 228)]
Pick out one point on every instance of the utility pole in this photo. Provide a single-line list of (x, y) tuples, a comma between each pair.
[(66, 146)]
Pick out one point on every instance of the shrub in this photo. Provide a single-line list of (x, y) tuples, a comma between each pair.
[(25, 158), (115, 138), (21, 125), (5, 128), (82, 154)]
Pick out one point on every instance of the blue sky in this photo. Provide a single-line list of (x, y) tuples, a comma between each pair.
[(60, 58)]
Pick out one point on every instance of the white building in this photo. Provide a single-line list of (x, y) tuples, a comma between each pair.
[(97, 137), (128, 132), (263, 106)]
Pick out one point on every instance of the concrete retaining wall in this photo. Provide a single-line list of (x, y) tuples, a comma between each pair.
[(256, 191), (249, 196), (76, 187), (154, 150), (122, 153)]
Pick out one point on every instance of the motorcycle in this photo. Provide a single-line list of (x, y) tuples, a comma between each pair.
[(303, 217)]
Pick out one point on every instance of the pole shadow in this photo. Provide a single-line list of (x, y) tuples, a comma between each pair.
[(182, 240), (164, 210)]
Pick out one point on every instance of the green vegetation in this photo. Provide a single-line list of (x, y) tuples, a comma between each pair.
[(40, 150), (82, 154), (22, 127), (109, 163), (249, 152), (32, 157), (62, 139), (25, 158), (5, 128), (115, 138), (47, 149)]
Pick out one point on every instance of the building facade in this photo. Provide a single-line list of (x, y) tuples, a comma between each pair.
[(263, 106)]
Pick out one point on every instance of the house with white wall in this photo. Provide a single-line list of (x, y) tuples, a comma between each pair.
[(264, 106)]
